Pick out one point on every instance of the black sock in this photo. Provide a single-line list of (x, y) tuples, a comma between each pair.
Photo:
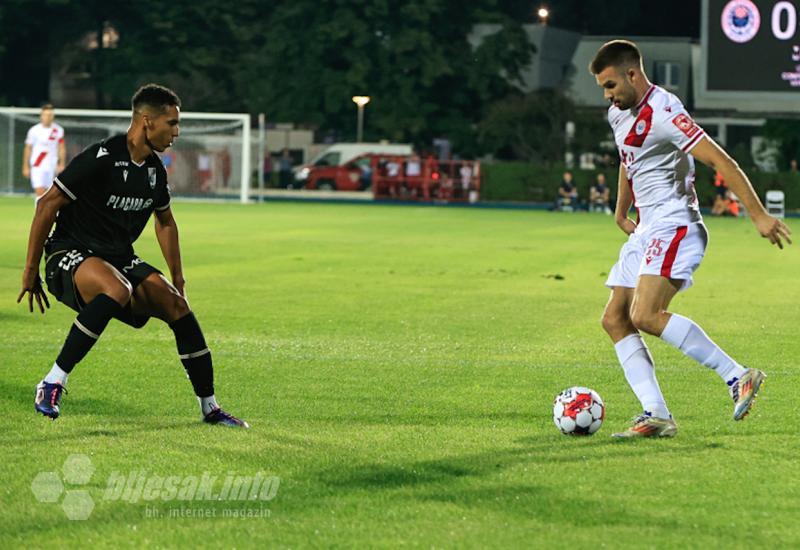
[(87, 328), (194, 354)]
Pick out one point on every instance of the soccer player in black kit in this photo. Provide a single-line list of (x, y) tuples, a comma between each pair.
[(100, 204)]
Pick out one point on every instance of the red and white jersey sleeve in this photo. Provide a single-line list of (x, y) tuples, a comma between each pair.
[(679, 128), (44, 143), (654, 140)]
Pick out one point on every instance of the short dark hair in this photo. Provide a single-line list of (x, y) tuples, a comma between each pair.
[(47, 107), (156, 96), (617, 53)]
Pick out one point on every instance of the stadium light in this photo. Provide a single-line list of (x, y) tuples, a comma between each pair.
[(360, 100), (543, 14)]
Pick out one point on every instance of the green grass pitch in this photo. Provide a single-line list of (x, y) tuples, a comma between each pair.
[(398, 366)]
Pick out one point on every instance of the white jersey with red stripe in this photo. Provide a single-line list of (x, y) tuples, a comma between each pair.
[(654, 140), (44, 142)]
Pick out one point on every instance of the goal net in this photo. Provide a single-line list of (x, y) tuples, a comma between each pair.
[(211, 158)]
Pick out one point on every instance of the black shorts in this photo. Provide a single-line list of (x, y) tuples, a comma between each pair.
[(62, 259)]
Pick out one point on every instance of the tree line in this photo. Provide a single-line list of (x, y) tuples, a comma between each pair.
[(301, 61)]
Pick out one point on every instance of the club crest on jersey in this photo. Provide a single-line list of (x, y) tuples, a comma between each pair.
[(640, 127), (151, 176), (125, 176), (686, 125), (740, 20)]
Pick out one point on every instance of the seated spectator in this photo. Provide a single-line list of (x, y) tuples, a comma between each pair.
[(599, 195), (567, 200), (720, 206), (733, 204)]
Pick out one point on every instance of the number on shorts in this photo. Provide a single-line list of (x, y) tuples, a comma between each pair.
[(655, 248), (70, 260)]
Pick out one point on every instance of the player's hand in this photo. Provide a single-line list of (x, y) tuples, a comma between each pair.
[(627, 225), (26, 171), (32, 285), (773, 229)]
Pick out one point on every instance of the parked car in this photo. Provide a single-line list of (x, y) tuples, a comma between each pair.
[(345, 166)]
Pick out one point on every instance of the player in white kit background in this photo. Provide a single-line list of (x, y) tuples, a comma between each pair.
[(44, 155), (657, 139)]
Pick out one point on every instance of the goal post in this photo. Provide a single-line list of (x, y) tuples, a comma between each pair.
[(211, 158)]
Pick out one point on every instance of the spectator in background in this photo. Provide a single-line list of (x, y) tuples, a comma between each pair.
[(567, 194), (599, 195), (732, 204), (267, 168), (725, 202), (720, 205), (793, 166), (285, 170)]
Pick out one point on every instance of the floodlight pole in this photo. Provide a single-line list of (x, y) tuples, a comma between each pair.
[(361, 101), (360, 136)]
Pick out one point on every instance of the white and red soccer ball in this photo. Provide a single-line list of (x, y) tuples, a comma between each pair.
[(578, 411)]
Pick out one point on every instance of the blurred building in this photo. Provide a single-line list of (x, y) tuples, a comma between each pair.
[(678, 64)]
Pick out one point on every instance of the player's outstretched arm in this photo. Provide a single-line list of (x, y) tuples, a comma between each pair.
[(46, 209), (713, 156), (624, 201), (167, 235)]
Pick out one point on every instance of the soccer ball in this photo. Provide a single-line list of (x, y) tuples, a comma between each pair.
[(578, 411)]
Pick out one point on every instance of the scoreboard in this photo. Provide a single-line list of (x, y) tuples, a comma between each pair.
[(751, 46)]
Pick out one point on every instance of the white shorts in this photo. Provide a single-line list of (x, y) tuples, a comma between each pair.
[(664, 249), (42, 176)]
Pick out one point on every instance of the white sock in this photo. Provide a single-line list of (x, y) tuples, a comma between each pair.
[(56, 376), (640, 372), (207, 404), (685, 335)]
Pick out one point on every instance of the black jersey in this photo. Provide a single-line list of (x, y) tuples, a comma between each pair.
[(112, 197)]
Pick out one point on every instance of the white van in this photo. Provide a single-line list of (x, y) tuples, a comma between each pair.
[(340, 154)]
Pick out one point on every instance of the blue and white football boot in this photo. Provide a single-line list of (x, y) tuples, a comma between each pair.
[(48, 398), (218, 416)]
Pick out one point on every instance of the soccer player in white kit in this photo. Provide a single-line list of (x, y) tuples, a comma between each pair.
[(44, 155), (655, 136)]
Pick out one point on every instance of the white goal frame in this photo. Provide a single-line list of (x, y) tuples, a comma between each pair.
[(244, 118)]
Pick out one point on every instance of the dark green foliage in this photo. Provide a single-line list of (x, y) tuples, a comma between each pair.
[(530, 127), (298, 61), (787, 134)]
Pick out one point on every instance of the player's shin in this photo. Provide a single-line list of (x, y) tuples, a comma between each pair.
[(687, 336), (196, 359), (640, 373), (85, 331)]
